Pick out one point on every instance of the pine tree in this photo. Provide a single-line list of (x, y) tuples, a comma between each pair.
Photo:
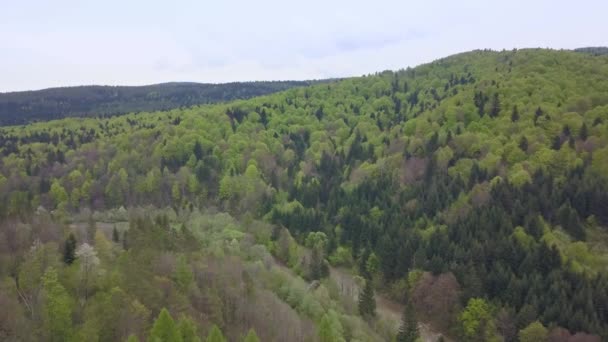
[(367, 302), (251, 336), (515, 114), (215, 335), (165, 329), (69, 249), (583, 132), (115, 236), (187, 330), (408, 332)]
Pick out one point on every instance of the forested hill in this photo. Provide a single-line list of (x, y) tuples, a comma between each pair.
[(594, 50), (18, 108), (474, 189)]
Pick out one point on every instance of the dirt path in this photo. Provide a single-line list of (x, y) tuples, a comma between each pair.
[(387, 309)]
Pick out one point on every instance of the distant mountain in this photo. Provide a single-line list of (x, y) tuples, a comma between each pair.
[(91, 101), (594, 50)]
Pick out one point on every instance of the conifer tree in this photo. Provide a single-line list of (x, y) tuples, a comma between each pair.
[(187, 329), (215, 335), (408, 331), (251, 336), (115, 236), (367, 302), (69, 249), (165, 329)]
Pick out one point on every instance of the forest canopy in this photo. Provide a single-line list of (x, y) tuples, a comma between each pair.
[(473, 190)]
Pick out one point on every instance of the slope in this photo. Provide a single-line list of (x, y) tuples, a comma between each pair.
[(470, 186), (17, 108)]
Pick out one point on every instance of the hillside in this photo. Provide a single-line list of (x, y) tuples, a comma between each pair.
[(17, 108), (474, 188)]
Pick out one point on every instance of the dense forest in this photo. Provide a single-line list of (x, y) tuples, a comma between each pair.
[(472, 190), (594, 50), (18, 108)]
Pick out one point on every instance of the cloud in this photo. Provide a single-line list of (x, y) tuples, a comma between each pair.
[(141, 42)]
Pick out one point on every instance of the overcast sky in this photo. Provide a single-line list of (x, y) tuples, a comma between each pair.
[(127, 42)]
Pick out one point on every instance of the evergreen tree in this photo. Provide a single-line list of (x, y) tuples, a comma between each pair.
[(187, 329), (251, 336), (165, 329), (215, 335), (408, 331), (115, 236), (523, 144), (495, 110), (69, 249), (583, 132), (515, 114), (367, 302)]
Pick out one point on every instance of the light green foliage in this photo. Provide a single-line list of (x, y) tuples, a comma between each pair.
[(394, 161), (187, 329), (57, 314), (535, 332), (132, 338), (183, 274), (476, 320), (165, 329), (251, 336), (215, 335), (325, 331), (58, 193)]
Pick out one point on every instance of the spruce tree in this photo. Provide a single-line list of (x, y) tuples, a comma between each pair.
[(165, 329), (583, 132), (408, 331), (367, 302), (215, 335), (115, 236), (69, 249), (251, 336)]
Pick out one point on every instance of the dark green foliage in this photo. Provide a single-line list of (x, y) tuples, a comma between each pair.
[(420, 168), (19, 108), (408, 331), (115, 235), (69, 249), (367, 301), (593, 50)]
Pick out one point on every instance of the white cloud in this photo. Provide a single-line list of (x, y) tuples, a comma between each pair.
[(44, 44)]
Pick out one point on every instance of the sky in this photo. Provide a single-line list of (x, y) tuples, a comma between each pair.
[(131, 42)]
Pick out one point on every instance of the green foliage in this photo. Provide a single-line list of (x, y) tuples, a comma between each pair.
[(215, 335), (325, 331), (535, 332), (90, 101), (476, 320), (251, 336), (408, 331), (367, 301), (165, 329), (481, 175), (187, 329), (69, 249), (57, 314)]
